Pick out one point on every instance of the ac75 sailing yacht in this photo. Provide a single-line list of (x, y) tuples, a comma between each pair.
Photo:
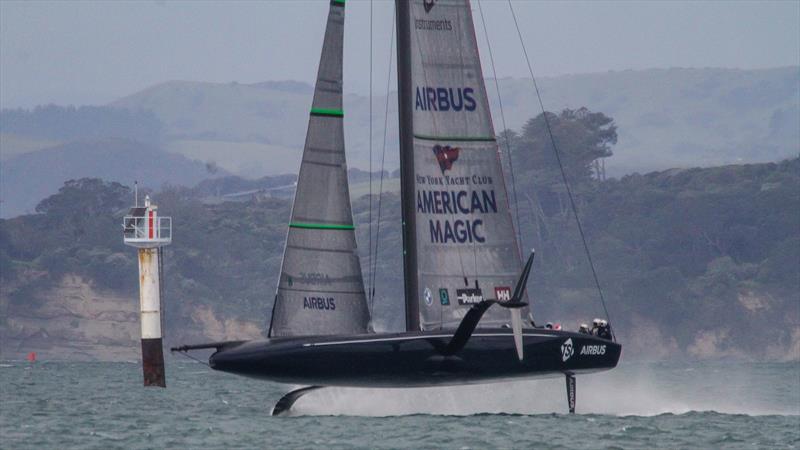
[(460, 251)]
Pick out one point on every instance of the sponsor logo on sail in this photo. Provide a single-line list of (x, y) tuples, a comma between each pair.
[(432, 98), (567, 350), (312, 278), (446, 156), (319, 303), (502, 293), (433, 25), (593, 350), (428, 5), (428, 297), (469, 296), (449, 203), (444, 296), (457, 232)]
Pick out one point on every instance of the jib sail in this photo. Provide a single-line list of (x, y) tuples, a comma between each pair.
[(460, 245), (321, 290)]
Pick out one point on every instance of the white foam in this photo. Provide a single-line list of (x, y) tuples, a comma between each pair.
[(632, 391)]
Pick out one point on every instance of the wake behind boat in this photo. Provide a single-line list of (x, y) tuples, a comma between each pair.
[(466, 308)]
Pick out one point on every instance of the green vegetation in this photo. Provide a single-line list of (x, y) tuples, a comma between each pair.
[(695, 263)]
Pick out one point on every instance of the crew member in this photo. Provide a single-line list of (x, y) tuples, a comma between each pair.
[(595, 327), (605, 330), (584, 329)]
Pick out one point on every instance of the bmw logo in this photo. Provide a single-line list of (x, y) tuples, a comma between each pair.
[(428, 297)]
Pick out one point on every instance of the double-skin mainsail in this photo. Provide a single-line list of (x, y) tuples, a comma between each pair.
[(460, 245)]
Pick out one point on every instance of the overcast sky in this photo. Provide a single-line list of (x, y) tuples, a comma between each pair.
[(92, 52)]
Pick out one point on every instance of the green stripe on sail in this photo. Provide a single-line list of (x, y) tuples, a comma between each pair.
[(455, 138), (337, 2), (327, 112), (321, 226)]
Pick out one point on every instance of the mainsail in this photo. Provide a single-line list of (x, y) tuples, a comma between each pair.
[(460, 245), (321, 290)]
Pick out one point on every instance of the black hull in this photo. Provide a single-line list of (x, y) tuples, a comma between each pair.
[(415, 359)]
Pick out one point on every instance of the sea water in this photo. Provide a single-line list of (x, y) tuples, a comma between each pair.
[(662, 405)]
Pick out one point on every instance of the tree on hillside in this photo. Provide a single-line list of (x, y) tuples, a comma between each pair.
[(86, 197), (583, 137)]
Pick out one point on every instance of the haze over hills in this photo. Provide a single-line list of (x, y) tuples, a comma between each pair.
[(666, 117), (28, 178)]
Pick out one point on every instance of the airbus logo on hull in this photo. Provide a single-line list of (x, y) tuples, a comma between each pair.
[(593, 350)]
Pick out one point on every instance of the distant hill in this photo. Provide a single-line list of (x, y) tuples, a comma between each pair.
[(68, 123), (678, 117), (26, 179), (667, 117)]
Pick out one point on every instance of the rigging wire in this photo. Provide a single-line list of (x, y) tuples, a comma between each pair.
[(369, 217), (505, 131), (561, 167), (186, 354), (374, 259)]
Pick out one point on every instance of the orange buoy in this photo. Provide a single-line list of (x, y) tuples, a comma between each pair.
[(32, 357)]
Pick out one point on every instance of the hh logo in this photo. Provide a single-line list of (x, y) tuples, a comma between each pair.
[(567, 350), (502, 293), (446, 156)]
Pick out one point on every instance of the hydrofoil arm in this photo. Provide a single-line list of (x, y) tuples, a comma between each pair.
[(475, 313), (287, 401)]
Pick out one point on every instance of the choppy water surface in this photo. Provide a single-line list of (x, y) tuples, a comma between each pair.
[(102, 405)]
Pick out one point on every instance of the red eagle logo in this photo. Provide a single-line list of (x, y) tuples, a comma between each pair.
[(446, 156)]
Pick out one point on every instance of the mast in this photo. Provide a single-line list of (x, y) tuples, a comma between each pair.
[(406, 131)]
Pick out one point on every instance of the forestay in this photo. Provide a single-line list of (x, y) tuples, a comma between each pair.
[(466, 248), (321, 290)]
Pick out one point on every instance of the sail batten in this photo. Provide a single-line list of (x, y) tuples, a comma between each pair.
[(321, 289), (458, 236), (423, 137), (330, 112)]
